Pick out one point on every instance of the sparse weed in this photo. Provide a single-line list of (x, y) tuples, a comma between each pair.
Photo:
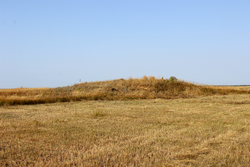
[(173, 79), (97, 114)]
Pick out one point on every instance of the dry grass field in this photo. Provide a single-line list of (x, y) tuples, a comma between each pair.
[(120, 89), (240, 88), (202, 131)]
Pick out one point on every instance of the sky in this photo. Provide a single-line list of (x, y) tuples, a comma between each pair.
[(53, 43)]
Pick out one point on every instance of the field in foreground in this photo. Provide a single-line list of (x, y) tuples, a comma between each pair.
[(203, 131)]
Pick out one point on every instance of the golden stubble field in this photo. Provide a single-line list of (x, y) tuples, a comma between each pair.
[(203, 131)]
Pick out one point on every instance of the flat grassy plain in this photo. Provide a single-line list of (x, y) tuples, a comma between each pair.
[(239, 88), (202, 131)]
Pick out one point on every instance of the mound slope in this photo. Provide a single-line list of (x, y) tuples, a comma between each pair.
[(119, 89)]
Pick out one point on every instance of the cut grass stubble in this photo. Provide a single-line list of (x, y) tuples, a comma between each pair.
[(204, 131)]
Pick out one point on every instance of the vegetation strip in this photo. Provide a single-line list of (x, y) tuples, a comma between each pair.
[(120, 89)]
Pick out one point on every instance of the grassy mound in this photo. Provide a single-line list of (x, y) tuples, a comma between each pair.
[(120, 89)]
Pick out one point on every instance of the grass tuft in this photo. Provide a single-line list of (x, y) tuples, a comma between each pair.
[(98, 114)]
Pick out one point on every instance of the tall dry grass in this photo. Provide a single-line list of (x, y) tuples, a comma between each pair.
[(120, 89)]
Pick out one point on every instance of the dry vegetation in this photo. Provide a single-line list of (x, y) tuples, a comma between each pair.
[(202, 131), (175, 123), (144, 88), (240, 88)]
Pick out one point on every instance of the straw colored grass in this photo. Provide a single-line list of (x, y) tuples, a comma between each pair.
[(239, 88), (120, 89), (202, 131)]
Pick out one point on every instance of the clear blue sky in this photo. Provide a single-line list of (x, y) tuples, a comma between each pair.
[(52, 43)]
